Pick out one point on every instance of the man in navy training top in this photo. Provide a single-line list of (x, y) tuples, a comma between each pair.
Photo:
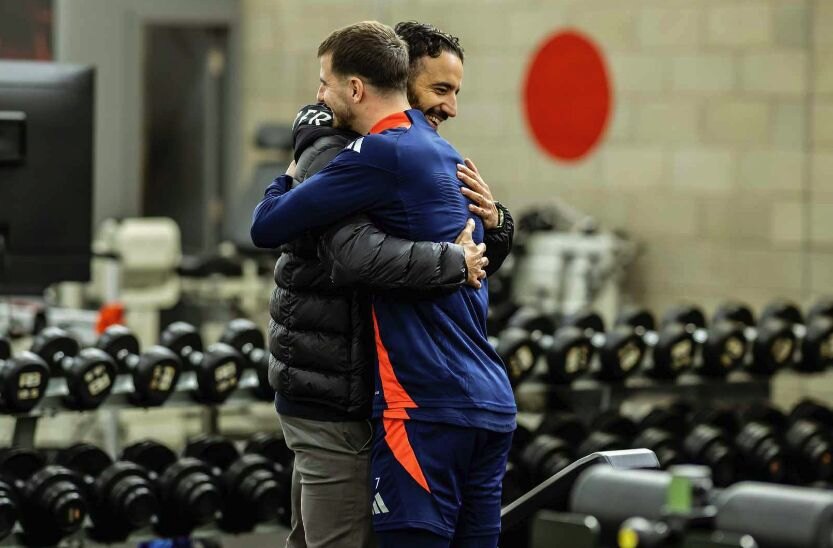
[(443, 406)]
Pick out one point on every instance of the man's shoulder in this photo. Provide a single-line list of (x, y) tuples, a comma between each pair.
[(375, 150)]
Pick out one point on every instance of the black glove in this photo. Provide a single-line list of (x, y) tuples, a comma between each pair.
[(312, 122)]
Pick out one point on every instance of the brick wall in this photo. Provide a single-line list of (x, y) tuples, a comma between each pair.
[(719, 154)]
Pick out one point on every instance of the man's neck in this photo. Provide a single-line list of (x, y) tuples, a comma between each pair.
[(378, 110)]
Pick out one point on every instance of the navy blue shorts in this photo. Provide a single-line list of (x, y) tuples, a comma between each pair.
[(442, 478)]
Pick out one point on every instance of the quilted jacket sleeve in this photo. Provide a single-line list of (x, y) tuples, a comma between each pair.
[(356, 252), (499, 241)]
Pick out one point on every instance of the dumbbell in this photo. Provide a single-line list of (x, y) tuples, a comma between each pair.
[(89, 373), (8, 506), (620, 350), (711, 446), (23, 379), (273, 447), (671, 349), (188, 493), (808, 435), (660, 430), (252, 489), (763, 452), (773, 339), (50, 499), (120, 494), (554, 446), (723, 345), (815, 334), (218, 369), (609, 431), (155, 372), (518, 344), (244, 336)]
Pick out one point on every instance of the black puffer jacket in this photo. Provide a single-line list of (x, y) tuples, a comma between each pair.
[(320, 334)]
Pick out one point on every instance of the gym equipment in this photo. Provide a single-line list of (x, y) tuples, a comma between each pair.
[(50, 499), (709, 446), (807, 431), (773, 340), (620, 351), (554, 446), (244, 336), (681, 508), (187, 489), (554, 492), (253, 491), (723, 345), (121, 496), (518, 345), (89, 373), (155, 372), (660, 431), (609, 431), (761, 454), (671, 351), (23, 379), (815, 334), (218, 369)]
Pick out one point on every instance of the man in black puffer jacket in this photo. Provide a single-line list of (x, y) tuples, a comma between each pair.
[(322, 343)]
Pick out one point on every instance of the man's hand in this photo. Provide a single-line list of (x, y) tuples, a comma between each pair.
[(476, 260), (479, 193), (291, 169)]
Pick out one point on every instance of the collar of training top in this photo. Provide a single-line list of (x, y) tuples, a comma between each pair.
[(397, 119)]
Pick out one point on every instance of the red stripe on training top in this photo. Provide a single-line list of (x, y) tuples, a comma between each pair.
[(397, 119)]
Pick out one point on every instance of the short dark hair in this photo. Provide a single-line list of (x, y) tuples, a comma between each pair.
[(371, 50), (425, 39)]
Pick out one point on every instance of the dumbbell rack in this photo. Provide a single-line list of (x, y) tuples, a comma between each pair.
[(26, 424), (589, 397), (25, 428)]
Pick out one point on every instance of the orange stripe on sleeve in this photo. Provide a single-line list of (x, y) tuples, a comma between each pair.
[(397, 439)]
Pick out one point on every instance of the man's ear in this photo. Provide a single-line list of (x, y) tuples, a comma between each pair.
[(357, 89)]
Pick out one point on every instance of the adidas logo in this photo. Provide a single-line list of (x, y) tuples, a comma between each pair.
[(356, 146), (379, 505)]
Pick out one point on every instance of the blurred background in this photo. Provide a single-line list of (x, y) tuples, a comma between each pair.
[(652, 152)]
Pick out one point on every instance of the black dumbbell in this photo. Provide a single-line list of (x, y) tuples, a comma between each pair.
[(155, 372), (763, 453), (808, 435), (218, 369), (756, 434), (661, 430), (773, 339), (519, 344), (609, 431), (23, 379), (671, 350), (252, 487), (554, 446), (120, 494), (244, 336), (620, 350), (273, 447), (89, 373), (710, 446), (50, 499), (723, 345), (816, 334), (188, 493)]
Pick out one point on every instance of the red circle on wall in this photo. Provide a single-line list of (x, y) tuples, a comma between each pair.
[(567, 96)]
